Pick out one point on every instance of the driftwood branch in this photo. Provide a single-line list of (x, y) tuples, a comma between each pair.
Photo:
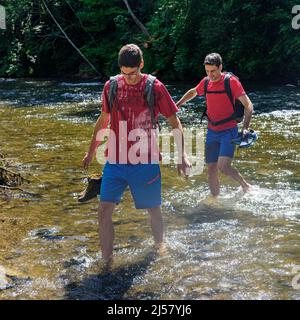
[(10, 180), (17, 188), (10, 177)]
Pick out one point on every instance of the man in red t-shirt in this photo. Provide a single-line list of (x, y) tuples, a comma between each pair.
[(219, 150), (132, 150)]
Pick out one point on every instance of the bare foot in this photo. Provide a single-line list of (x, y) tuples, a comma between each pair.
[(210, 200), (107, 263), (247, 187), (160, 248)]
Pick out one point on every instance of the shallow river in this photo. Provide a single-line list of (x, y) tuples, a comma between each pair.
[(244, 247)]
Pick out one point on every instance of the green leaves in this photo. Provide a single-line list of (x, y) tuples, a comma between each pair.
[(254, 37)]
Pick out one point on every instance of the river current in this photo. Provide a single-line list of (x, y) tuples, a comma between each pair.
[(246, 246)]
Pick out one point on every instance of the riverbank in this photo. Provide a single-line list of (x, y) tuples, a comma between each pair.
[(258, 84)]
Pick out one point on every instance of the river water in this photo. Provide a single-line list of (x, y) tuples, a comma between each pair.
[(243, 247)]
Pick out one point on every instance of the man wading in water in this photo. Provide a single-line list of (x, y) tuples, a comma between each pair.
[(130, 114), (222, 125)]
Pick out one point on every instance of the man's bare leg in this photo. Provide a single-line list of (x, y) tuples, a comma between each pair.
[(213, 179), (157, 227), (106, 229), (224, 165)]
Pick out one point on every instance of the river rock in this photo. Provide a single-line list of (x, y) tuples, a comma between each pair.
[(9, 277)]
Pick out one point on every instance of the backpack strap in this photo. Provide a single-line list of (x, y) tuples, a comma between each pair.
[(204, 113), (238, 107), (228, 75), (113, 86), (205, 86), (211, 91), (227, 90), (149, 97)]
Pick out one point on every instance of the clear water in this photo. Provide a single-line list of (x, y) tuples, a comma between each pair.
[(244, 247)]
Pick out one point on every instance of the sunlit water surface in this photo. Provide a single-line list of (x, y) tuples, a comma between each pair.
[(243, 247)]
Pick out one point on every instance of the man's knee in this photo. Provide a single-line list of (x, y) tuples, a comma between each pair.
[(224, 168), (212, 169), (155, 212)]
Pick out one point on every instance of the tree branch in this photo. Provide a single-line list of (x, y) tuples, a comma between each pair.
[(137, 21), (69, 40)]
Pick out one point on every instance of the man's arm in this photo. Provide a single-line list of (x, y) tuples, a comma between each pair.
[(187, 96), (183, 162), (101, 124), (248, 111)]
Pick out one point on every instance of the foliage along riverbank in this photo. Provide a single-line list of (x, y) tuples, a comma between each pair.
[(255, 38)]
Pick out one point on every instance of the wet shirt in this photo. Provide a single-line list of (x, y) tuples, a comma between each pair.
[(218, 105), (132, 139)]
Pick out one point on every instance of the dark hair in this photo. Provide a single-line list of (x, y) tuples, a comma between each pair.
[(213, 59), (130, 55)]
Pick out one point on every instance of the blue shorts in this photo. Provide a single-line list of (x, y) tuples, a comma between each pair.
[(144, 181), (218, 144)]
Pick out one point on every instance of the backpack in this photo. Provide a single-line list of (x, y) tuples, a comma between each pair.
[(238, 107), (148, 95)]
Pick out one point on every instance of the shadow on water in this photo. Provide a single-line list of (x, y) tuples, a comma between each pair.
[(84, 113), (206, 214), (110, 285)]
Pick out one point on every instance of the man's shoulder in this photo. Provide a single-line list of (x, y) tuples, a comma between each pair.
[(159, 85), (204, 80), (233, 78), (115, 77), (106, 85)]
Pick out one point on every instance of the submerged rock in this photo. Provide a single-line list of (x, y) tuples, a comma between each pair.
[(10, 277)]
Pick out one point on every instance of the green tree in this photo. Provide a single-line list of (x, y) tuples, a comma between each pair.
[(254, 37)]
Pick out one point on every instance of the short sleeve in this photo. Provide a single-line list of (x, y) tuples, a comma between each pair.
[(164, 102), (236, 88), (105, 101), (200, 87)]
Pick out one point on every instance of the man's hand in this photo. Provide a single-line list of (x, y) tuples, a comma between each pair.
[(87, 160), (185, 167), (248, 113), (101, 124), (191, 94), (245, 132)]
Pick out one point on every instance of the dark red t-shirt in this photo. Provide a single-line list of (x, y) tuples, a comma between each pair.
[(130, 114), (218, 105)]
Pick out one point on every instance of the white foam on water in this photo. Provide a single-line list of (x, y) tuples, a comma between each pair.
[(271, 202), (46, 146), (274, 203), (7, 80), (82, 84), (76, 95), (278, 202), (281, 113)]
